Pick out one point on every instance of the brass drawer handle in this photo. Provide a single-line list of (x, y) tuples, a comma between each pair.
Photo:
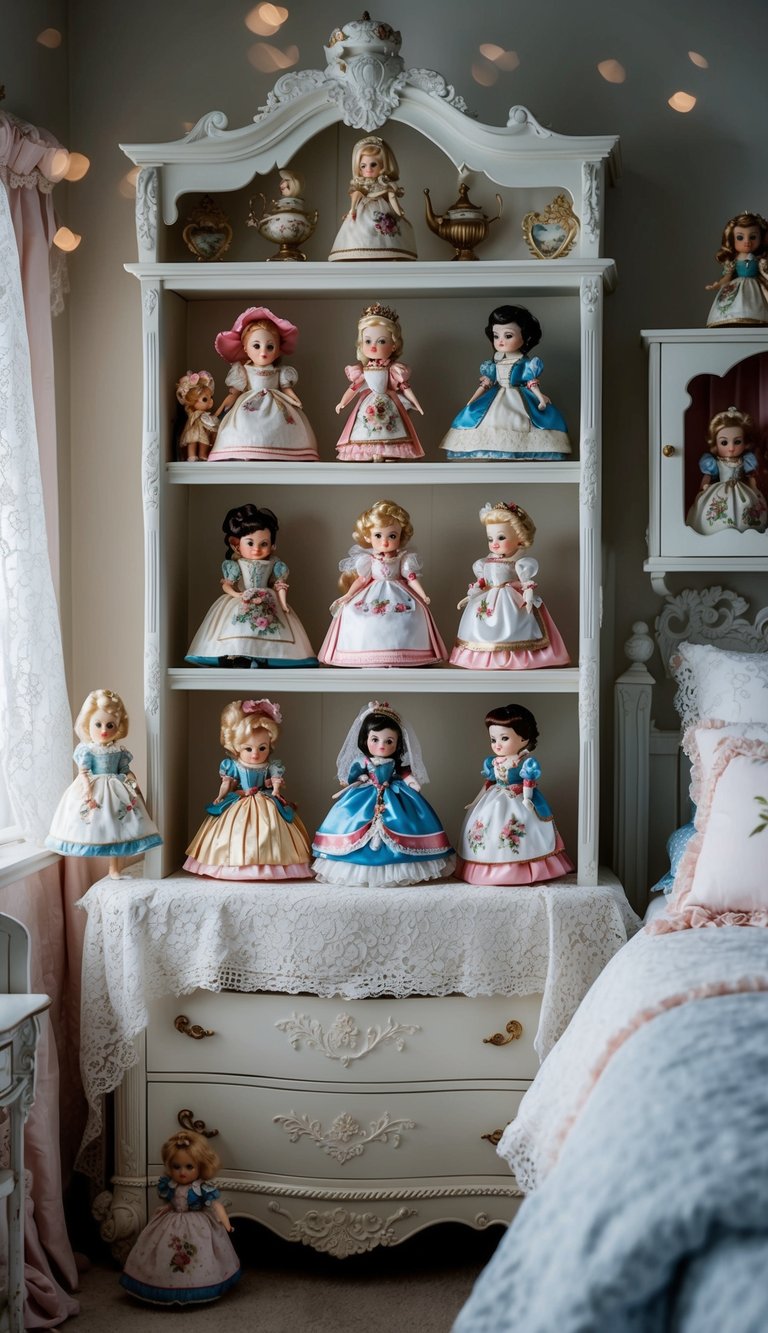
[(494, 1137), (514, 1031), (182, 1024), (187, 1121), (669, 450)]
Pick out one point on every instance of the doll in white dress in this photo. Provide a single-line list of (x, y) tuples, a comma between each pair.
[(265, 418), (195, 392), (103, 812), (184, 1255), (251, 624), (504, 623), (729, 497), (383, 618), (375, 226), (509, 834), (378, 428), (742, 290)]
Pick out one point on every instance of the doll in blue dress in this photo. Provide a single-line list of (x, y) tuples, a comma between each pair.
[(742, 290), (508, 416), (103, 812), (729, 497), (381, 831)]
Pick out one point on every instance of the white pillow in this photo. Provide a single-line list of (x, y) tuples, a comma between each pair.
[(701, 743), (719, 684)]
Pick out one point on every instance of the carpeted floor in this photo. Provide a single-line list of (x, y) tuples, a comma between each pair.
[(286, 1288)]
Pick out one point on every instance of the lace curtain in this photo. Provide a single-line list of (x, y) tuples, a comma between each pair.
[(35, 725)]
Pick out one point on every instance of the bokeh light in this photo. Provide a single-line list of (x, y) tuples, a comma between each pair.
[(265, 19), (484, 73), (127, 186), (612, 71), (699, 60), (57, 166), (499, 57), (78, 166), (682, 102), (267, 58), (50, 37), (66, 240)]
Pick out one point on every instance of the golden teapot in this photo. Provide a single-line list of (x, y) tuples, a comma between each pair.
[(463, 225)]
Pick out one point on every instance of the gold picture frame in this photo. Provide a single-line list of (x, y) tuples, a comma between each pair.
[(552, 234)]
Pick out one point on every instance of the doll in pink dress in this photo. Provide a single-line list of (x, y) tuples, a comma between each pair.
[(382, 619), (378, 427), (505, 624), (184, 1255)]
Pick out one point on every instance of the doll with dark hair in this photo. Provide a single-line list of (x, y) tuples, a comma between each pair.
[(509, 834), (742, 288), (381, 831), (251, 624), (508, 416)]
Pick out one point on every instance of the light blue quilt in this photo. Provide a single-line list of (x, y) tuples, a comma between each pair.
[(655, 1217)]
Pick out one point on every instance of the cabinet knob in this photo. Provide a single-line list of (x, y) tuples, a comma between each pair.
[(187, 1121), (194, 1030), (513, 1029), (493, 1137), (669, 450)]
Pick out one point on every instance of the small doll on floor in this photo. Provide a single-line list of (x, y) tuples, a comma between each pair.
[(251, 832), (505, 624), (195, 393), (729, 498), (378, 429), (508, 416), (265, 420), (251, 624), (381, 831), (742, 291), (184, 1255), (375, 226), (103, 812), (509, 834), (382, 619)]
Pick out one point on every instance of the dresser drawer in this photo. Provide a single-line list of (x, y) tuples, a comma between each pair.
[(340, 1134), (312, 1039)]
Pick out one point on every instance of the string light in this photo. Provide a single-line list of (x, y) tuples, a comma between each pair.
[(66, 240), (265, 19), (612, 71)]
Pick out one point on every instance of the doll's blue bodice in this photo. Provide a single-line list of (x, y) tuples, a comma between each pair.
[(515, 775), (403, 810), (250, 780), (254, 573), (747, 266), (199, 1195), (516, 375), (99, 759)]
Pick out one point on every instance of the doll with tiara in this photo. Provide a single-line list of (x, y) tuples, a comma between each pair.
[(375, 226), (508, 415), (378, 428), (251, 624), (195, 393), (505, 625), (509, 834), (265, 419), (184, 1255), (382, 618), (729, 498), (251, 832), (381, 831), (103, 812), (742, 290)]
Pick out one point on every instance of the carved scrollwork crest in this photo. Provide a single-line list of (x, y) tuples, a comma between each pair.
[(146, 208), (345, 1138), (709, 615), (341, 1232), (340, 1040), (591, 188)]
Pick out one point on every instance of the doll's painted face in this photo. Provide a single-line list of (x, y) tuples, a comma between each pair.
[(507, 338), (261, 346), (746, 240), (254, 546), (181, 1168), (255, 748), (370, 166), (505, 740), (502, 540), (730, 442), (382, 744), (378, 343), (385, 538), (103, 727), (200, 399)]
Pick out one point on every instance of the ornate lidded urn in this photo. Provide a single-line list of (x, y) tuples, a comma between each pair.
[(289, 223)]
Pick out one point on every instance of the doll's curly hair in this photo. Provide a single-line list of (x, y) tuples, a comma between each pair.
[(513, 516), (370, 319), (244, 520), (110, 703), (527, 323), (193, 382), (381, 513), (199, 1149), (237, 724), (373, 145), (727, 249), (519, 718), (731, 417)]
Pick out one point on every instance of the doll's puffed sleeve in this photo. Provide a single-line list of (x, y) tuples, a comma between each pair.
[(276, 768), (237, 378), (165, 1188), (230, 571), (228, 768), (287, 377), (478, 569), (708, 465), (83, 757), (487, 769), (124, 762), (530, 771), (356, 771), (526, 569), (411, 565), (488, 371), (208, 1193), (358, 562), (399, 376), (533, 369), (279, 573), (355, 375), (750, 461)]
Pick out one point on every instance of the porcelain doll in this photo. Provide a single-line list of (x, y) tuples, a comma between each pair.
[(729, 498), (381, 831), (265, 418), (742, 291), (251, 832), (382, 619), (378, 428), (184, 1255), (251, 624), (195, 393), (509, 834), (508, 416), (375, 226), (103, 812), (504, 623)]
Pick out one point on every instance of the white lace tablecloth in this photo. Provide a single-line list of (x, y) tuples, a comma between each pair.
[(150, 938)]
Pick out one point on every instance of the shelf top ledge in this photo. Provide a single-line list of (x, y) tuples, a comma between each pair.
[(740, 333)]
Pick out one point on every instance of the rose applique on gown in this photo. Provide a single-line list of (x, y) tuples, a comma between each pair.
[(385, 624), (502, 841), (259, 629), (729, 502), (505, 421), (263, 423), (379, 425), (115, 822), (250, 834), (496, 630), (184, 1255)]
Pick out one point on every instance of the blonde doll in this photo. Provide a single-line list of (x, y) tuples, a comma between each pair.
[(195, 393), (505, 624), (103, 812), (265, 418), (184, 1255), (378, 427), (382, 618), (251, 831), (742, 291), (729, 498), (375, 226)]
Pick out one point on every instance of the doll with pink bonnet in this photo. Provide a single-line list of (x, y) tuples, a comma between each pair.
[(195, 392), (264, 418)]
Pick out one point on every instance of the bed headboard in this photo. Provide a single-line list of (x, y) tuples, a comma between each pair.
[(651, 773)]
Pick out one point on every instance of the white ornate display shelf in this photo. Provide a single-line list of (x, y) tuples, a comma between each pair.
[(746, 334), (659, 566), (352, 474), (337, 680)]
